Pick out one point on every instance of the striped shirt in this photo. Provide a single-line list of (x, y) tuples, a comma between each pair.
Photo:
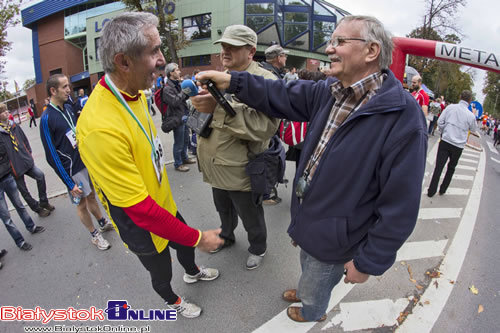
[(347, 101)]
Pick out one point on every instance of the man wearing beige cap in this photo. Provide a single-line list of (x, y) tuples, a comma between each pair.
[(275, 60), (223, 156)]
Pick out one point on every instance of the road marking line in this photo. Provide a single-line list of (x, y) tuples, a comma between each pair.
[(439, 213), (465, 167), (492, 147), (455, 176), (459, 177), (281, 322), (424, 317), (431, 156), (495, 160), (472, 151), (469, 154), (453, 191), (357, 316), (419, 250), (469, 160)]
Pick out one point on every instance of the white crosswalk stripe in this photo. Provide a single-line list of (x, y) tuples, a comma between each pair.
[(492, 148), (368, 314), (439, 213), (469, 160), (465, 167), (452, 191), (470, 155), (420, 250)]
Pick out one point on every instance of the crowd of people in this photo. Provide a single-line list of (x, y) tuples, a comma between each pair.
[(358, 139)]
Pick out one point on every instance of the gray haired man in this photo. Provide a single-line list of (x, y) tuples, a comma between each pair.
[(129, 170), (358, 184), (177, 113), (275, 60)]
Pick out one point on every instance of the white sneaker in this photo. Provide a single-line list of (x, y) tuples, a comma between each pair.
[(100, 242), (186, 309), (205, 274), (106, 227)]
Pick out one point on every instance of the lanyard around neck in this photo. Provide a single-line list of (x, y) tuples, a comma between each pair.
[(122, 101), (70, 121)]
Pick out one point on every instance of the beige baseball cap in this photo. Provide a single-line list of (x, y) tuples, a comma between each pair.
[(273, 51), (238, 35)]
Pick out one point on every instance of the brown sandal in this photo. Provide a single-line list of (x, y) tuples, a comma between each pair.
[(290, 295), (293, 313)]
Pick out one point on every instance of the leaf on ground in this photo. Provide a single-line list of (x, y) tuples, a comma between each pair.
[(480, 309), (402, 316), (410, 272), (427, 302), (452, 282), (473, 290), (403, 263), (419, 287), (413, 280), (436, 284), (434, 274)]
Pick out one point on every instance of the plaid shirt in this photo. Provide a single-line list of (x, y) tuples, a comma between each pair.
[(347, 101)]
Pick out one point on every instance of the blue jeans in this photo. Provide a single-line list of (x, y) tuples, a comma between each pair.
[(39, 176), (181, 142), (8, 186), (316, 285)]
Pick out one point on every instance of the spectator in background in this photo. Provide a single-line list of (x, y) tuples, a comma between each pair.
[(178, 109), (58, 133), (19, 153), (291, 75), (8, 186), (275, 60), (454, 123), (32, 116), (80, 103), (419, 93)]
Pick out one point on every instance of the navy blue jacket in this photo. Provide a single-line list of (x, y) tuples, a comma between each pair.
[(364, 198), (59, 152)]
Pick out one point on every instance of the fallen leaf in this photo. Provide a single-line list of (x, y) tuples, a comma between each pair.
[(436, 284), (410, 272), (419, 287), (452, 282), (473, 290), (402, 316), (413, 280), (434, 274), (427, 302), (480, 309), (403, 263)]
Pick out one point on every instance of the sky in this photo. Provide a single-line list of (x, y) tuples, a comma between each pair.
[(478, 21)]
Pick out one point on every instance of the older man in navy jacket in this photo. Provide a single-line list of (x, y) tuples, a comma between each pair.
[(358, 185)]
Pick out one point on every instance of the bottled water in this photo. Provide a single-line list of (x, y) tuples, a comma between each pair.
[(76, 199)]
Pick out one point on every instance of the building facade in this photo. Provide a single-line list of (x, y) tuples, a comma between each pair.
[(65, 34)]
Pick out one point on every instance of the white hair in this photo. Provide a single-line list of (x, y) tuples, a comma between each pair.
[(374, 31), (124, 34)]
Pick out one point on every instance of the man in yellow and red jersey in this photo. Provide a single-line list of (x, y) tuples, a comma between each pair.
[(121, 149)]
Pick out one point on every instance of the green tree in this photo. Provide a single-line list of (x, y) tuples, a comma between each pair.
[(9, 11), (4, 93), (28, 84), (439, 23), (172, 38), (491, 89)]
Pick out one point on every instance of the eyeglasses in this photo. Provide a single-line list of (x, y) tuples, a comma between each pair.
[(336, 41)]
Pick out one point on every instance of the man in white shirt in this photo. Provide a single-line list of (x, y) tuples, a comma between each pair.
[(455, 123)]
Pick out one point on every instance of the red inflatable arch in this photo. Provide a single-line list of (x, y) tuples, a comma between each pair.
[(442, 51)]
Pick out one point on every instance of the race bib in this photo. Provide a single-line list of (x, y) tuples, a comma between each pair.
[(71, 137), (158, 159)]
